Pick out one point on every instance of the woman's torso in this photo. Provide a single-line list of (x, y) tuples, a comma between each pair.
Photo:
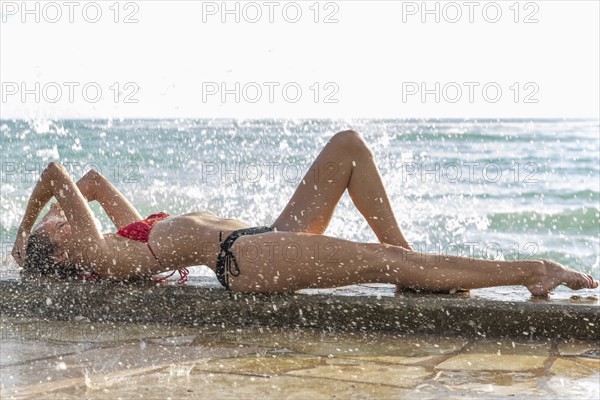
[(178, 242)]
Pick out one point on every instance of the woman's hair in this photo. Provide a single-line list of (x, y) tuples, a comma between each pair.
[(40, 260)]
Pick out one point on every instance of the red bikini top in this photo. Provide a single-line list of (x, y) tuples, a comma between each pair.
[(140, 230)]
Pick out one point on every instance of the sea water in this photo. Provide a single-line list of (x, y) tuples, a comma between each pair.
[(501, 189)]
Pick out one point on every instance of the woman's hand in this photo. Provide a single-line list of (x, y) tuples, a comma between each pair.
[(19, 248)]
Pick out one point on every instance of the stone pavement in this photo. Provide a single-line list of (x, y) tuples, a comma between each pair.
[(103, 360), (63, 340)]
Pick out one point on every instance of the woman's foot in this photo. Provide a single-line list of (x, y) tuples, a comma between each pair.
[(547, 275)]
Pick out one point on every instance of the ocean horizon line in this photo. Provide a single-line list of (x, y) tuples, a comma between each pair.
[(407, 119)]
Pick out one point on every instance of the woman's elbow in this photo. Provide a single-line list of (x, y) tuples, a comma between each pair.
[(55, 169), (54, 166)]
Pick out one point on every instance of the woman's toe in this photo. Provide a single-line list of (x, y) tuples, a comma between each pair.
[(587, 282)]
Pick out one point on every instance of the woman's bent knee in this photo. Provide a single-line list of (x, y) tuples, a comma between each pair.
[(347, 137), (351, 141)]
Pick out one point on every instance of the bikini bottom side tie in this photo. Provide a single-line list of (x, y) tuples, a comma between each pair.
[(226, 263)]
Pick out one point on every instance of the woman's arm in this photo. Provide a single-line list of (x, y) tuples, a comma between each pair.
[(56, 182), (94, 186)]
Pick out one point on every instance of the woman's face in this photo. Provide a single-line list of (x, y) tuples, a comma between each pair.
[(55, 226)]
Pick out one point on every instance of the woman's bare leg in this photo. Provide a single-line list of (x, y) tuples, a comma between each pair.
[(287, 261), (346, 162)]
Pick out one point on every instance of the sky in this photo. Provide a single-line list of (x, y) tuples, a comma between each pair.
[(304, 59)]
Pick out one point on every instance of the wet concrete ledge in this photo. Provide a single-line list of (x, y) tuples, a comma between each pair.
[(208, 305)]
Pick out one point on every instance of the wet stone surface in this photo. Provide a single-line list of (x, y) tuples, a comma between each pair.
[(107, 341), (61, 360), (355, 308)]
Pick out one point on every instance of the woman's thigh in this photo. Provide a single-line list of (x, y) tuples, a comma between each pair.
[(312, 205), (288, 261)]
